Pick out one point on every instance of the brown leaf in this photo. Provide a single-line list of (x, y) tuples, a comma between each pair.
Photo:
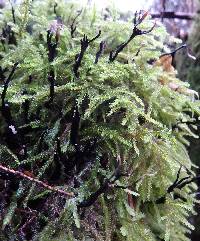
[(165, 62)]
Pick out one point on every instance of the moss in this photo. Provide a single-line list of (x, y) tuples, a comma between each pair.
[(93, 132)]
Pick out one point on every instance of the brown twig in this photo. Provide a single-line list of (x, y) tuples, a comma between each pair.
[(35, 180)]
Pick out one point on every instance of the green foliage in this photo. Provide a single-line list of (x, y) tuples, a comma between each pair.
[(116, 116)]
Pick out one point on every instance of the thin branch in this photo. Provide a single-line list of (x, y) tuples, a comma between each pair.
[(173, 15), (179, 184), (26, 107), (74, 134), (54, 8), (174, 51), (138, 51), (52, 47), (171, 188), (12, 136), (35, 180), (59, 160), (2, 74), (13, 12), (51, 79), (108, 183), (96, 37), (102, 46), (94, 196), (41, 140), (30, 79), (6, 83), (58, 148), (84, 45), (8, 36), (72, 26), (136, 32)]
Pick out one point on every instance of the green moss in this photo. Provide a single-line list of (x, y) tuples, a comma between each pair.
[(81, 128)]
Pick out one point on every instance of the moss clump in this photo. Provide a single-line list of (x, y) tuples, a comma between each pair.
[(93, 125)]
